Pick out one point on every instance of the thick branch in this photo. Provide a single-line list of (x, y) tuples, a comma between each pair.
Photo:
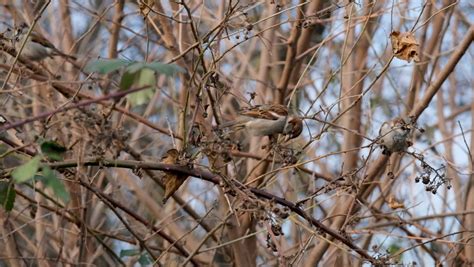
[(214, 178), (443, 75)]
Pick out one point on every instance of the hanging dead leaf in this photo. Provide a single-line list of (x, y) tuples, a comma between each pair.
[(394, 204), (405, 46), (171, 180), (145, 6)]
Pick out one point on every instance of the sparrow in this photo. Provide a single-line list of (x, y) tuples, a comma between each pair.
[(268, 120), (171, 180), (394, 136), (37, 47)]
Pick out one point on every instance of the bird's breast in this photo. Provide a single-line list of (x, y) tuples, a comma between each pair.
[(263, 127)]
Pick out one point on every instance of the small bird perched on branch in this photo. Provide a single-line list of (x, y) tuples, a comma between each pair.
[(171, 180), (37, 47), (395, 136), (267, 120)]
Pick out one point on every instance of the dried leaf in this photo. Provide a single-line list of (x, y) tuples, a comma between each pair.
[(145, 7), (171, 180), (405, 46), (394, 204)]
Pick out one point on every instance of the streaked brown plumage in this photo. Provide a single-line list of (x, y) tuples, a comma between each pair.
[(171, 180), (268, 120)]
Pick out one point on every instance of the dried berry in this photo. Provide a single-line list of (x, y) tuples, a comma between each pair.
[(276, 229), (426, 179)]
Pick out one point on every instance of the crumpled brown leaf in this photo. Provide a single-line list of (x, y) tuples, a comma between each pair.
[(405, 46), (171, 180), (145, 6), (394, 204)]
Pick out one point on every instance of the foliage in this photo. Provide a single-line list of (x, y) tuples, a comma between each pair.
[(139, 74)]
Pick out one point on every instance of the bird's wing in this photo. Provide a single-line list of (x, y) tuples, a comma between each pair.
[(269, 112)]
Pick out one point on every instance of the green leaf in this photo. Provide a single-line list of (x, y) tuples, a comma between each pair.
[(7, 195), (53, 150), (144, 260), (146, 77), (166, 69), (140, 97), (127, 80), (104, 66), (26, 171), (394, 249), (129, 252), (51, 181), (132, 68)]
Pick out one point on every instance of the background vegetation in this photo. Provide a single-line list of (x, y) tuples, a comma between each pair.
[(81, 153)]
